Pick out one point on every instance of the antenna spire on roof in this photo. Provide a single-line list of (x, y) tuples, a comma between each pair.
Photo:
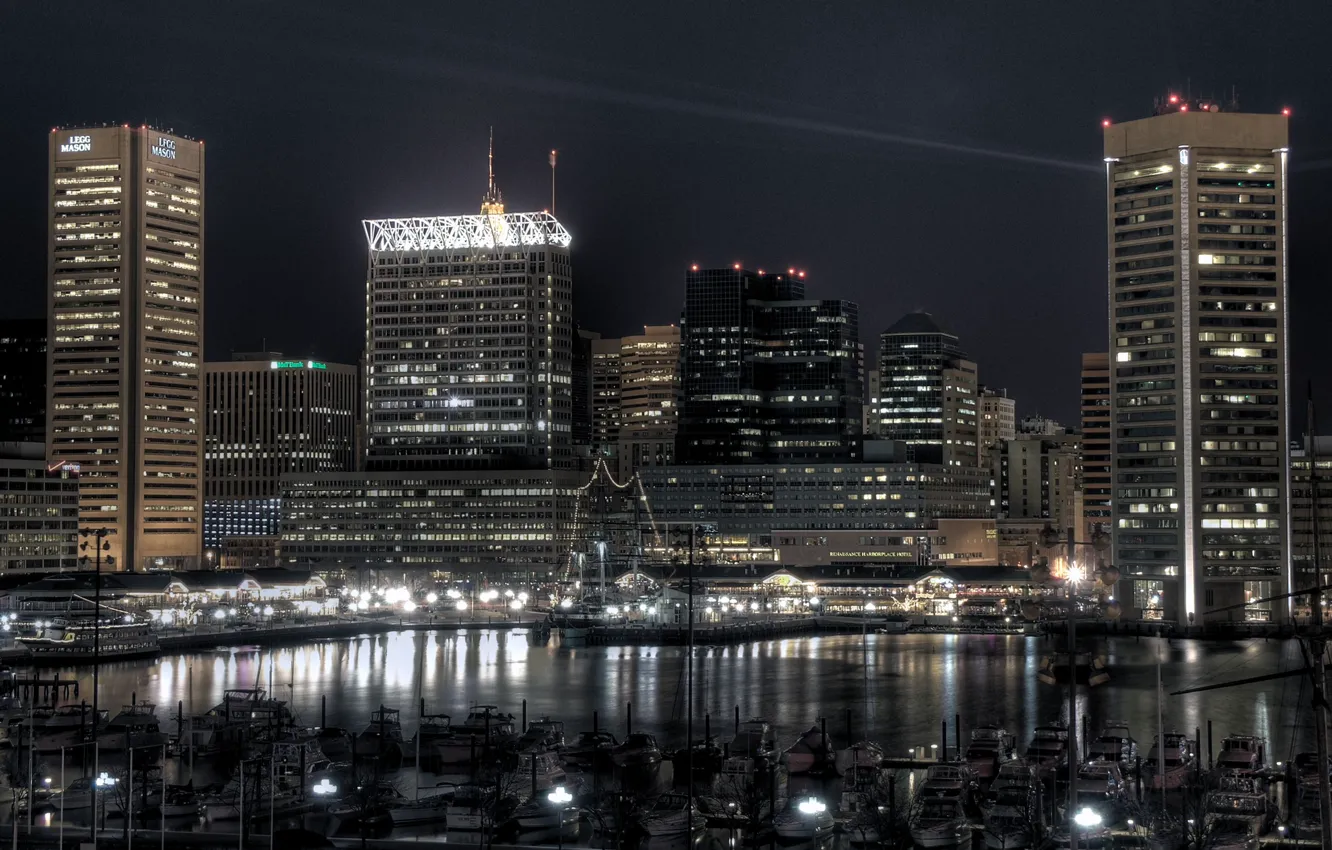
[(493, 202)]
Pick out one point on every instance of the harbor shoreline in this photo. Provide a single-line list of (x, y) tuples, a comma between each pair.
[(657, 634)]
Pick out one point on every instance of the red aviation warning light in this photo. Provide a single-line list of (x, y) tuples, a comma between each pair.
[(1174, 98), (1105, 122), (1285, 110)]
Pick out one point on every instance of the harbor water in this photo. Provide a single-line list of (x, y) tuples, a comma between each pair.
[(897, 688)]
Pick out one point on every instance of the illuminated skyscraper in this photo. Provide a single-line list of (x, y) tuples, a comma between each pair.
[(649, 398), (928, 393), (269, 416), (469, 343), (1196, 233), (126, 297)]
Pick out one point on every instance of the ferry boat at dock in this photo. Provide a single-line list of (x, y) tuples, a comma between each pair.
[(64, 643)]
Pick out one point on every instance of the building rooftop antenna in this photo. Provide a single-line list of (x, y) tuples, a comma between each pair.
[(493, 202)]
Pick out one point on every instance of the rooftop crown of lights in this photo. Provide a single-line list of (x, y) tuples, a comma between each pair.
[(487, 232)]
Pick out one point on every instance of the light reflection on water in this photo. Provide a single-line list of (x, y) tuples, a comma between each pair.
[(914, 682)]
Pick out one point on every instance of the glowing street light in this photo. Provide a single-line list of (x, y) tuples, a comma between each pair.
[(1087, 818), (812, 806), (566, 603), (460, 605), (324, 788), (409, 606), (559, 796), (432, 598)]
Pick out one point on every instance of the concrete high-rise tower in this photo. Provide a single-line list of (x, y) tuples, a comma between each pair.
[(125, 319), (1196, 232), (928, 392), (469, 342)]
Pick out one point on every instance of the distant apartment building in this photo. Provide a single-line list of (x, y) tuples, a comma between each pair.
[(869, 414), (1040, 426), (268, 415), (649, 398), (1037, 477), (928, 393), (997, 422)]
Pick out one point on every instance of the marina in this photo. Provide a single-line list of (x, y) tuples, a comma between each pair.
[(804, 739)]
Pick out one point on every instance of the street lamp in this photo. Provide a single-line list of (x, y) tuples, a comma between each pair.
[(101, 786), (812, 806), (96, 537), (561, 798), (1100, 542), (1087, 818)]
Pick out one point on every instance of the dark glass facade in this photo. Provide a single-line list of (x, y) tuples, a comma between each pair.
[(23, 380), (767, 374)]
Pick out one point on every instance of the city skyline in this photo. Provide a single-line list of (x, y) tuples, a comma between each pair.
[(683, 168)]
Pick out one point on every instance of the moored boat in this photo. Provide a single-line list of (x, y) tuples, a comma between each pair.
[(811, 753), (1174, 754), (1114, 744), (638, 750), (938, 822), (671, 815), (78, 642)]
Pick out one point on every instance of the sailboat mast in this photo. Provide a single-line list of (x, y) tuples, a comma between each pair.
[(1318, 645), (1160, 733)]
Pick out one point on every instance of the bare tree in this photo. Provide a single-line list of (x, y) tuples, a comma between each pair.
[(882, 816)]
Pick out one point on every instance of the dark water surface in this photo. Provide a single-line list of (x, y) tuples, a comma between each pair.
[(898, 687)]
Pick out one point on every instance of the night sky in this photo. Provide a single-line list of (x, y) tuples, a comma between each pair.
[(912, 155)]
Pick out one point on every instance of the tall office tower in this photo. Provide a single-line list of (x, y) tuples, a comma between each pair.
[(767, 374), (581, 388), (1096, 477), (927, 392), (1196, 230), (125, 319), (23, 380), (605, 396), (470, 338), (266, 416), (649, 398), (998, 418)]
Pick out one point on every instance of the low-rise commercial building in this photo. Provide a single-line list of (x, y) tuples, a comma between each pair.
[(502, 522), (39, 511)]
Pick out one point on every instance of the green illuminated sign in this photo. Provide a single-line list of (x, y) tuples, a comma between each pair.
[(296, 364)]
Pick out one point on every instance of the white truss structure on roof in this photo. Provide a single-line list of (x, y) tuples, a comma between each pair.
[(510, 230)]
